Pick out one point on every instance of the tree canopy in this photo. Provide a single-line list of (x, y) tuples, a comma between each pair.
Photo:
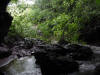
[(53, 19)]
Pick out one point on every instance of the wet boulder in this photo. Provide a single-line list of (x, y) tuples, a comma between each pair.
[(78, 52), (55, 66), (14, 40), (28, 43), (62, 42)]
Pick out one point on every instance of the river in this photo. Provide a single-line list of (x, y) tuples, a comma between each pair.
[(22, 66), (27, 65)]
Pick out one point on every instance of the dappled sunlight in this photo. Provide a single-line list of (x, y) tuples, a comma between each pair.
[(28, 2), (54, 19)]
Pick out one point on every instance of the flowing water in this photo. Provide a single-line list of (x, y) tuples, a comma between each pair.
[(27, 66), (22, 66), (88, 67)]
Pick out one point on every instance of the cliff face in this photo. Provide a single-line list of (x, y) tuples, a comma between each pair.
[(5, 19)]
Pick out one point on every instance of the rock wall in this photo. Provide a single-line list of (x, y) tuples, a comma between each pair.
[(5, 19)]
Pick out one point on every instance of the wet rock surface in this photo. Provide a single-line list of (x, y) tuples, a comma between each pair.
[(54, 65), (78, 52), (55, 59)]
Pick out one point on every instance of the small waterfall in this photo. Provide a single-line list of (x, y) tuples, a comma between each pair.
[(23, 66)]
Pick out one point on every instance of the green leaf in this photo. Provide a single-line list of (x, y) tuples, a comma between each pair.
[(98, 2)]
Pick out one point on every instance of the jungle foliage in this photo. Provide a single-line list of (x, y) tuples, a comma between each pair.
[(52, 19)]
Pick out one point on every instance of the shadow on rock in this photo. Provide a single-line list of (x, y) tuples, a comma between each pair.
[(78, 52), (54, 66)]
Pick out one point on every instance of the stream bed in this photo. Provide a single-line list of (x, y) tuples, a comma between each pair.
[(27, 65), (88, 67), (22, 66)]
